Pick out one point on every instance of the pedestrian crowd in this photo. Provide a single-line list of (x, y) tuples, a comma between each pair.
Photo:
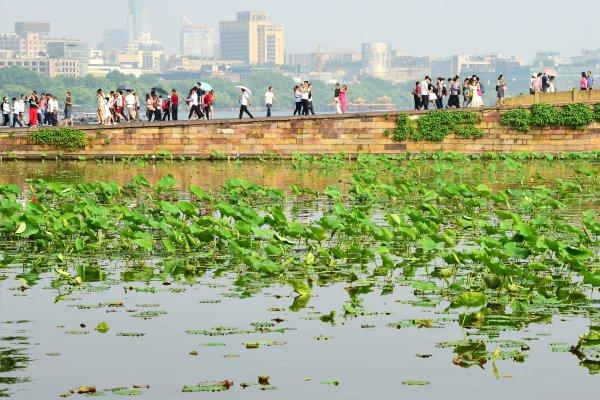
[(447, 93), (124, 106), (41, 110), (543, 83)]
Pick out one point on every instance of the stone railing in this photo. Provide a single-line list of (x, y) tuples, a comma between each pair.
[(571, 96)]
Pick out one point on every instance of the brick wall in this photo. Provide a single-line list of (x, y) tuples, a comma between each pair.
[(350, 134)]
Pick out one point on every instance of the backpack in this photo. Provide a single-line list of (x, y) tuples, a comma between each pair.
[(444, 91)]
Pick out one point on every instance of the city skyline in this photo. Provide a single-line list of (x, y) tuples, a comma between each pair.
[(509, 29)]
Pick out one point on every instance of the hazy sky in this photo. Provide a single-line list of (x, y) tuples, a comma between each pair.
[(436, 27)]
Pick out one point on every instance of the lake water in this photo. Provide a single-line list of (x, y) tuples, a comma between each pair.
[(396, 342)]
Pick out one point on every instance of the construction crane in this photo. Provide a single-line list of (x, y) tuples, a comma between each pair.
[(323, 53)]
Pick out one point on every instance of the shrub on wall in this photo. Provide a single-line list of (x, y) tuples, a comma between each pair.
[(544, 115), (436, 125), (404, 128), (519, 119), (576, 115), (597, 113), (62, 138)]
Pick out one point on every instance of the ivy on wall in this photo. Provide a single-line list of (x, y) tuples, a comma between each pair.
[(436, 125), (575, 116), (62, 138)]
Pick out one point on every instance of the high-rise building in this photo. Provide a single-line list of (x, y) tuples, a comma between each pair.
[(116, 39), (377, 58), (253, 39), (70, 49), (33, 38), (197, 40), (32, 27), (137, 20)]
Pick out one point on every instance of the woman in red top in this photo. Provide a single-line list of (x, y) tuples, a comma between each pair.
[(207, 103), (174, 104), (33, 109)]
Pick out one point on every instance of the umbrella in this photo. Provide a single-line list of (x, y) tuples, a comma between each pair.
[(159, 90), (244, 87), (205, 86), (125, 87), (550, 72)]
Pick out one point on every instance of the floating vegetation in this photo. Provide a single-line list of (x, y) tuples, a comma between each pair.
[(488, 254), (219, 386)]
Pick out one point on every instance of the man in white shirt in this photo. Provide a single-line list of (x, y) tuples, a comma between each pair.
[(195, 105), (244, 103), (130, 106), (16, 109), (269, 97), (305, 96), (425, 92)]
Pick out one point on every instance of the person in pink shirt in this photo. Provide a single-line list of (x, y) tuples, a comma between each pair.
[(583, 83), (343, 104)]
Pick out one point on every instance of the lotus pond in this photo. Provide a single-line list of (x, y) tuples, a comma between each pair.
[(420, 278)]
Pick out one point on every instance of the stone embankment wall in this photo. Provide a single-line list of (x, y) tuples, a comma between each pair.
[(327, 134)]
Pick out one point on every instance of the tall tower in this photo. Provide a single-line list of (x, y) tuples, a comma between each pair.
[(196, 39), (137, 20)]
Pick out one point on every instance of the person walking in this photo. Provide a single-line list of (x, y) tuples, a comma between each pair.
[(5, 112), (590, 79), (416, 92), (454, 99), (305, 96), (41, 110), (583, 82), (16, 111), (195, 104), (149, 108), (22, 109), (157, 103), (440, 93), (244, 103), (166, 108), (269, 97), (174, 104), (532, 84), (50, 111), (207, 103), (467, 93), (500, 91), (537, 83), (545, 82), (336, 98), (297, 100), (100, 107), (425, 92), (32, 100), (68, 109), (130, 106), (343, 96), (552, 88), (311, 110), (476, 95), (109, 118)]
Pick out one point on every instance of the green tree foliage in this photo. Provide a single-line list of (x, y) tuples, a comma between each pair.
[(17, 81)]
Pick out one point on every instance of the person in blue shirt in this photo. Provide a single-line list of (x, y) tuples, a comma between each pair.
[(590, 80)]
